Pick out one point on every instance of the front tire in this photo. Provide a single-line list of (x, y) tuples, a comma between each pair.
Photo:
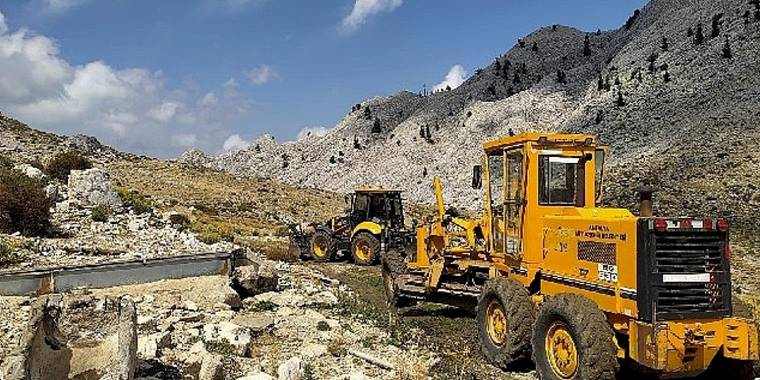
[(393, 266), (505, 316), (365, 249), (322, 246), (572, 340)]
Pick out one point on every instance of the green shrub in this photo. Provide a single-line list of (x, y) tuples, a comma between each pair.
[(282, 231), (9, 253), (179, 221), (323, 326), (63, 163), (210, 237), (138, 203), (265, 306), (101, 213), (24, 206), (5, 163)]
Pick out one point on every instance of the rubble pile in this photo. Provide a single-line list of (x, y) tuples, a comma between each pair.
[(301, 329)]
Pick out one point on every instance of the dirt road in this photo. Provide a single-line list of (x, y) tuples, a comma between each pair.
[(447, 330)]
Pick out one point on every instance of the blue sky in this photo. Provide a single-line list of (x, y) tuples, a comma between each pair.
[(158, 77)]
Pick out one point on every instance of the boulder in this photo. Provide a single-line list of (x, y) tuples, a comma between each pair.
[(75, 337), (234, 338), (293, 369), (259, 277), (92, 187), (257, 376), (256, 323), (30, 171)]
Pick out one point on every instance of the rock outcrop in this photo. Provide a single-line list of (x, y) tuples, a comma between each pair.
[(679, 115)]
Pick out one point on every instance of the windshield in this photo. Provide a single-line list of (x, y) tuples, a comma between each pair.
[(557, 181)]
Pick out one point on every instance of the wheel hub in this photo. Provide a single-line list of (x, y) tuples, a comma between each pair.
[(561, 351), (363, 250), (496, 323), (319, 246)]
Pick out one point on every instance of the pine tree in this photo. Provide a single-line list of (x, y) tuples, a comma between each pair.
[(599, 117), (716, 21), (620, 101), (727, 50), (376, 127), (534, 47), (664, 44), (586, 46), (699, 37), (561, 77), (652, 59)]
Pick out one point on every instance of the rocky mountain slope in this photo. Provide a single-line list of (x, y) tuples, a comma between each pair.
[(674, 92)]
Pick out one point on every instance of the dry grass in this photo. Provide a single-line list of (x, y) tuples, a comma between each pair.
[(221, 206)]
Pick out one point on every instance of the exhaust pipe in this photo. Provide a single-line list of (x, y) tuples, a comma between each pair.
[(645, 201)]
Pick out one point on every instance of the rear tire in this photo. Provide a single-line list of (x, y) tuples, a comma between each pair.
[(393, 266), (722, 368), (365, 249), (572, 340), (322, 246), (505, 316)]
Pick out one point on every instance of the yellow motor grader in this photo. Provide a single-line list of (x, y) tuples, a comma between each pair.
[(576, 288)]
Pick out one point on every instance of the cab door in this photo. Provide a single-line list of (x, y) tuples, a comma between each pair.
[(506, 183)]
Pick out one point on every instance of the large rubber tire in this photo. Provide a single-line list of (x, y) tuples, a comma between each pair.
[(591, 336), (324, 240), (506, 300), (369, 244), (393, 265), (722, 368)]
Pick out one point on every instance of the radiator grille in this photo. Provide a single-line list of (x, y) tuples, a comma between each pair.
[(690, 254), (597, 252)]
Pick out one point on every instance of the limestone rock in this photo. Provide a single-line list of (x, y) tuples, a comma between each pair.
[(292, 369), (257, 278), (257, 376), (235, 338), (92, 187), (30, 171)]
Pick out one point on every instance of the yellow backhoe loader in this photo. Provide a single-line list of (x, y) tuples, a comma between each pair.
[(373, 220), (576, 288)]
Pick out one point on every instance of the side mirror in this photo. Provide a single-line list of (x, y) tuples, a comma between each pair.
[(477, 177)]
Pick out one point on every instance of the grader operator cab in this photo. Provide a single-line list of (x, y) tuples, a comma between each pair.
[(373, 220), (573, 287)]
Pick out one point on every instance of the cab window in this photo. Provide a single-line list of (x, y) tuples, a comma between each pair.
[(559, 180)]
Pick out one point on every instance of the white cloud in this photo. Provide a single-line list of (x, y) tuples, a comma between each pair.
[(456, 76), (185, 140), (131, 109), (209, 99), (60, 5), (3, 25), (363, 9), (234, 142), (165, 112), (261, 75), (312, 132)]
